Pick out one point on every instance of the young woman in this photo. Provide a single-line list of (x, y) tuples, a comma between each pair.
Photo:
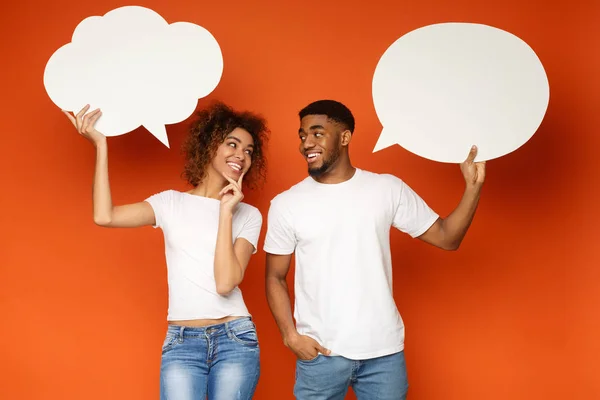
[(211, 347)]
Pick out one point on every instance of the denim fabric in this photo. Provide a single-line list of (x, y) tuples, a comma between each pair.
[(218, 361), (328, 378)]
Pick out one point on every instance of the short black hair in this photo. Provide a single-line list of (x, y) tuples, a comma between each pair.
[(334, 110)]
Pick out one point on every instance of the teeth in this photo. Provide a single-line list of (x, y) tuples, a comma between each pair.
[(312, 155), (234, 166)]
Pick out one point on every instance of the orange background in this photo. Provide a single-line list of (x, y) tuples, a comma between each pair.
[(512, 315)]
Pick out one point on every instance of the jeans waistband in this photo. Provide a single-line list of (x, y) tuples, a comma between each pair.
[(210, 329)]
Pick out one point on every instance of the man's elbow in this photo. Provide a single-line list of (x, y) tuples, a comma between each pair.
[(451, 246), (274, 279)]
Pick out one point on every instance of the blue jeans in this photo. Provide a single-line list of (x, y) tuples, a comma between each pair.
[(328, 378), (218, 361)]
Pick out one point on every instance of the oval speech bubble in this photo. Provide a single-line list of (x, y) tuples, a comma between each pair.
[(442, 88), (137, 68)]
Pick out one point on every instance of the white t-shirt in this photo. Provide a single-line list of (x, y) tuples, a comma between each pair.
[(190, 224), (343, 280)]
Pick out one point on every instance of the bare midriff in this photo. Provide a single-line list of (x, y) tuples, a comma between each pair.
[(203, 322)]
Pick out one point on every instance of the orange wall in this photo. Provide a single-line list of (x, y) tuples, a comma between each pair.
[(513, 314)]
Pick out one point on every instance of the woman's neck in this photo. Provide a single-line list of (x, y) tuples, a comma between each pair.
[(210, 186)]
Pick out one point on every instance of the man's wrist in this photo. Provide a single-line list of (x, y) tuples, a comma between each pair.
[(473, 188), (289, 337)]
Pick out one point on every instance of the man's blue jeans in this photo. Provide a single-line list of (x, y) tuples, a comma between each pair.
[(328, 378)]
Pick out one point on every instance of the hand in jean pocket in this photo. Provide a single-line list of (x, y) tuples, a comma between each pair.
[(305, 347)]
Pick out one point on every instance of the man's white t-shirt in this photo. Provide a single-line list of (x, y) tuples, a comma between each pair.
[(340, 236), (190, 224)]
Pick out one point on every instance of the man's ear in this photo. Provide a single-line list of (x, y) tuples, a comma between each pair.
[(346, 137)]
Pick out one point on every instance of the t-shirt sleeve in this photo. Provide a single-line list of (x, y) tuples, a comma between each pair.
[(413, 215), (251, 229), (280, 238), (161, 204)]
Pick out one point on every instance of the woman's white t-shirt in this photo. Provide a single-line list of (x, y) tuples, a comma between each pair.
[(190, 225)]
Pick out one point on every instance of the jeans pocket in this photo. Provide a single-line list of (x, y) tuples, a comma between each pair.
[(312, 360), (245, 334), (169, 342)]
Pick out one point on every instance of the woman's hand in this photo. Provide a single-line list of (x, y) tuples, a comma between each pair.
[(84, 123), (231, 195)]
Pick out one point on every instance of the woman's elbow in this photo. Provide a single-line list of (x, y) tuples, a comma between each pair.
[(226, 285), (102, 220), (224, 288)]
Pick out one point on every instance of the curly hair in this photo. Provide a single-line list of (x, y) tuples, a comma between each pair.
[(209, 131)]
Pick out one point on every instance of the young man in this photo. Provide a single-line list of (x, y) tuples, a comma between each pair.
[(337, 221)]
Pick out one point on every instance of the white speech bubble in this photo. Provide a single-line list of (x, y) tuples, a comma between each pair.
[(138, 69), (442, 88)]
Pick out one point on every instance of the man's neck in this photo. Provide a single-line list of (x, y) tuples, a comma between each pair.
[(338, 173)]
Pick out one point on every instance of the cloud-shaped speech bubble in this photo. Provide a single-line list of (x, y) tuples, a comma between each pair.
[(140, 70), (442, 88)]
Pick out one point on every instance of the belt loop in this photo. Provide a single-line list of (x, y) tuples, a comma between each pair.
[(180, 339)]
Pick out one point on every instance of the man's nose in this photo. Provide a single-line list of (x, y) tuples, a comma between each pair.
[(309, 143)]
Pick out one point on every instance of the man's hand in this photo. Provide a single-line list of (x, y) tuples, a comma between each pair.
[(473, 172), (305, 347)]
